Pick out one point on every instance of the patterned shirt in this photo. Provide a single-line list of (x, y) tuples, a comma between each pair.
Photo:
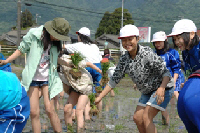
[(147, 70)]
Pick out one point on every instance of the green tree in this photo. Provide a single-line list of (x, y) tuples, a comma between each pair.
[(27, 19), (111, 22)]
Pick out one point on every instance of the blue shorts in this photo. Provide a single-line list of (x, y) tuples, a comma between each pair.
[(39, 83), (13, 120), (148, 99), (7, 69)]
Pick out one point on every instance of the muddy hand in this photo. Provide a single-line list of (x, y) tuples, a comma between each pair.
[(97, 100)]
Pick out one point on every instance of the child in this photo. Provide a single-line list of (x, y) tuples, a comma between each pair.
[(149, 73), (172, 60), (90, 51), (42, 45), (184, 35), (78, 94), (14, 104), (6, 67)]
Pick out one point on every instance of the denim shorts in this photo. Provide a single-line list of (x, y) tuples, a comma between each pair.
[(39, 83), (148, 99)]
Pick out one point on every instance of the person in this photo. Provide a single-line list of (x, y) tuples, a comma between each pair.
[(6, 67), (92, 54), (14, 104), (42, 45), (172, 61), (184, 36), (107, 56), (78, 90), (149, 73)]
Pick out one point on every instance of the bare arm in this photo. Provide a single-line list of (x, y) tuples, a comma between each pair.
[(16, 54), (89, 64), (175, 78), (106, 90)]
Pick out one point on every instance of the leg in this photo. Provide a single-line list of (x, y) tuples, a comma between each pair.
[(165, 117), (50, 110), (74, 113), (33, 94), (176, 94), (149, 114), (87, 111), (138, 118), (82, 101), (56, 102), (61, 99), (71, 102)]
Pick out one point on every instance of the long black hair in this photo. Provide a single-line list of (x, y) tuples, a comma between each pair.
[(166, 46), (46, 41), (85, 39), (186, 38)]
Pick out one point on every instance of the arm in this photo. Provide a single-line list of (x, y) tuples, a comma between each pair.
[(89, 64), (106, 90), (11, 58)]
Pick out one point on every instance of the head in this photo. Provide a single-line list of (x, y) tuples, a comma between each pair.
[(160, 41), (84, 35), (55, 31), (129, 35), (184, 34)]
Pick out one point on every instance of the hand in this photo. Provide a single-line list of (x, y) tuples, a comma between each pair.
[(97, 100), (182, 84), (160, 93), (3, 62)]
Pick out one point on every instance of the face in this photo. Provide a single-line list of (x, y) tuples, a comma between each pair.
[(130, 43), (179, 42), (53, 38), (159, 45)]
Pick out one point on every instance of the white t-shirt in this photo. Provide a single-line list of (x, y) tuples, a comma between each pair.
[(42, 72), (89, 51)]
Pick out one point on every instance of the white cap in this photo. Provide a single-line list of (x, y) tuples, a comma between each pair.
[(159, 36), (84, 31), (183, 25), (128, 30)]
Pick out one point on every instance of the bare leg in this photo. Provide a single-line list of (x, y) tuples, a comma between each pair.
[(61, 99), (87, 111), (33, 94), (165, 114), (50, 110), (138, 118), (149, 114), (73, 114)]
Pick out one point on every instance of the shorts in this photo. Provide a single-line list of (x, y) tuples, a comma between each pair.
[(148, 99), (7, 69), (14, 120), (39, 83)]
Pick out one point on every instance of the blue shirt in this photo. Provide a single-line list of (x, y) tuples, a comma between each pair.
[(172, 60), (10, 90), (3, 58), (191, 59)]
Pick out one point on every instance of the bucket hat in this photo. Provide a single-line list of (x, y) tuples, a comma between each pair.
[(183, 25), (58, 28), (128, 31), (159, 36), (84, 31)]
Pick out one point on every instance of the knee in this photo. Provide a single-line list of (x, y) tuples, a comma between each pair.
[(68, 109), (49, 110), (35, 113), (79, 112), (137, 119)]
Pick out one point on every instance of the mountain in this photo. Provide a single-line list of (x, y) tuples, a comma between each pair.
[(157, 14)]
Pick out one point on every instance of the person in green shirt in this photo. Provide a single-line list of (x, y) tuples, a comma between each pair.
[(42, 45)]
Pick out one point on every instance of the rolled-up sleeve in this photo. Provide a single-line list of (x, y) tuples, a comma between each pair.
[(25, 43)]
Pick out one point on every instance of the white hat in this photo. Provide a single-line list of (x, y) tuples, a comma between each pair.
[(159, 36), (84, 31), (128, 30), (183, 25)]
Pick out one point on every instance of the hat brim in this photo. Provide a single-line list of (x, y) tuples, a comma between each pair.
[(52, 32), (125, 36), (158, 40), (174, 34)]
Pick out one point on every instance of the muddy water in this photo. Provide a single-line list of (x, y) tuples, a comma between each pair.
[(117, 114)]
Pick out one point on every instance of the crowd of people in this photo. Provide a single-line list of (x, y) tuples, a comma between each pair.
[(48, 73)]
